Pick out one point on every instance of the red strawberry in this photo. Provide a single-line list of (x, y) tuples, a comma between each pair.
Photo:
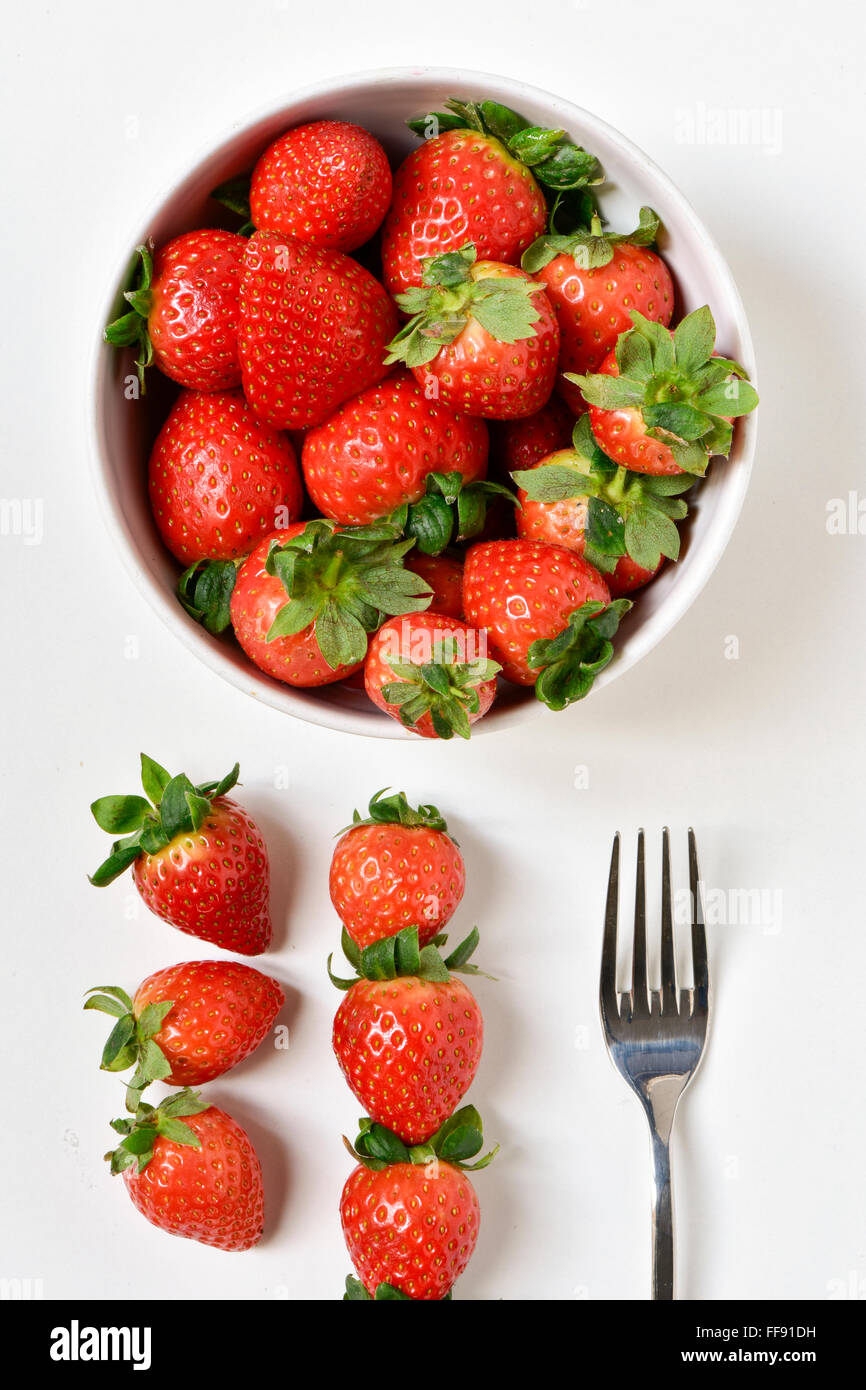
[(521, 443), (188, 1023), (482, 337), (185, 310), (409, 1050), (397, 868), (546, 614), (198, 860), (192, 1171), (629, 575), (663, 401), (306, 600), (444, 574), (470, 181), (623, 523), (594, 280), (314, 326), (408, 1034), (377, 451), (432, 673), (410, 1218), (564, 523), (327, 183), (220, 478)]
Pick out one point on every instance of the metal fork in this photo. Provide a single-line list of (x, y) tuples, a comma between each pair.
[(656, 1037)]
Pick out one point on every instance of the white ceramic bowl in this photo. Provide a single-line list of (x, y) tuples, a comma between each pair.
[(123, 430)]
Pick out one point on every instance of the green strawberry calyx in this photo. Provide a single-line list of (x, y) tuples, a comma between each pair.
[(395, 810), (131, 330), (149, 1124), (357, 1293), (205, 591), (449, 511), (627, 513), (171, 806), (234, 194), (589, 248), (556, 162), (131, 1040), (445, 686), (569, 663), (395, 956), (460, 1138), (343, 583), (686, 396), (440, 309)]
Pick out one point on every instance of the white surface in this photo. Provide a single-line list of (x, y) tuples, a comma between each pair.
[(123, 430), (763, 754)]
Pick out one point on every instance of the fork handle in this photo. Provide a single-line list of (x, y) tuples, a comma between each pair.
[(662, 1217)]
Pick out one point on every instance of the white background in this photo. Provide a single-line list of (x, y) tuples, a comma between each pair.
[(104, 105)]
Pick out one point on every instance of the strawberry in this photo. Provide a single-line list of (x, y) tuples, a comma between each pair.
[(327, 183), (628, 575), (198, 860), (408, 1035), (306, 600), (192, 1171), (377, 452), (471, 180), (594, 279), (482, 336), (187, 1024), (219, 478), (663, 401), (623, 523), (185, 310), (546, 614), (521, 443), (444, 574), (432, 673), (410, 1216), (313, 329), (396, 868)]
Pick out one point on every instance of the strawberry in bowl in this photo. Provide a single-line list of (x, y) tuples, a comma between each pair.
[(432, 673), (387, 296), (482, 336)]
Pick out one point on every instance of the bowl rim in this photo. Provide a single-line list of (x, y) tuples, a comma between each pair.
[(304, 705)]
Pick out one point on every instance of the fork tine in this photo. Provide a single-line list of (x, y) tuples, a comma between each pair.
[(699, 935), (608, 946), (669, 964), (638, 964)]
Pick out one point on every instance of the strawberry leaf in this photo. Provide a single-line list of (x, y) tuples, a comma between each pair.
[(686, 397), (569, 662), (131, 329), (234, 194), (205, 590), (589, 249), (154, 779), (395, 810), (120, 815), (460, 1138), (355, 1291), (608, 392), (605, 529), (177, 807), (450, 298), (506, 311), (393, 957), (446, 688), (694, 339), (343, 583)]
